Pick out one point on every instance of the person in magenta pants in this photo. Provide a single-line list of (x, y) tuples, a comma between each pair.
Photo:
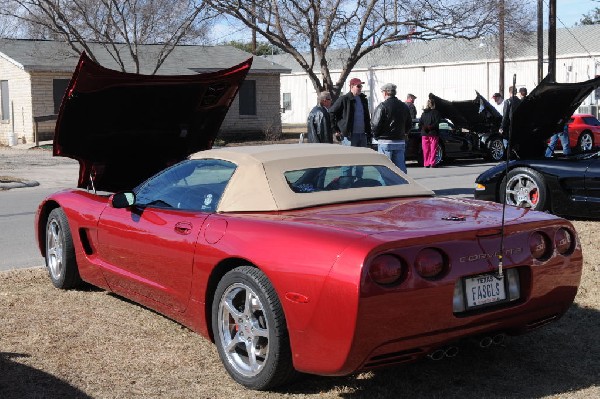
[(430, 133)]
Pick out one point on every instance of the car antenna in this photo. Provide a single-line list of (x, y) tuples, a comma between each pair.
[(510, 125)]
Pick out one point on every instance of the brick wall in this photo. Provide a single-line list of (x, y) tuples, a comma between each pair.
[(43, 100), (19, 123), (267, 108)]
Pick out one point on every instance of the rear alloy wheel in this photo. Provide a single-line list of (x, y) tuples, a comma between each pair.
[(250, 330), (525, 188), (586, 141), (495, 149), (60, 253), (439, 155)]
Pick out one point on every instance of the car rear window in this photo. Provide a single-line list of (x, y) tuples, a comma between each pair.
[(342, 178), (591, 121)]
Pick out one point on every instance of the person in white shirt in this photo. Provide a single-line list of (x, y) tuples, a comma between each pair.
[(498, 102)]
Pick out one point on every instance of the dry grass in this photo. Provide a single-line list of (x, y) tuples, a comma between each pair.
[(89, 343)]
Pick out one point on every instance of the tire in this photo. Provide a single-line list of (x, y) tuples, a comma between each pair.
[(585, 141), (525, 188), (236, 324), (60, 253), (495, 149)]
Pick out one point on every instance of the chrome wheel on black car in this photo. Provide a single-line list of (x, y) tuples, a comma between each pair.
[(525, 188), (495, 149), (439, 155)]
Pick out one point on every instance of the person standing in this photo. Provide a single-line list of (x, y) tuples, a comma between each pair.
[(410, 103), (318, 125), (390, 126), (350, 116), (510, 104), (430, 133), (522, 93), (498, 102), (564, 141)]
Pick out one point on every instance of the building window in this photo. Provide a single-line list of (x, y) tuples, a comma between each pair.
[(4, 110), (248, 98), (59, 87), (287, 101)]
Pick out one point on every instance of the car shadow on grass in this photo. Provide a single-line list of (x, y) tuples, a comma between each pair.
[(18, 381), (558, 359)]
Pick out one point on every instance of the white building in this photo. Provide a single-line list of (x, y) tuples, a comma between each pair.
[(452, 69)]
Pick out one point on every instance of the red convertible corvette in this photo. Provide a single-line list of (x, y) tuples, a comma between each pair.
[(312, 258)]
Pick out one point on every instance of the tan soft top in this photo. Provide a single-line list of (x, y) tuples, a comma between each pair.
[(259, 184)]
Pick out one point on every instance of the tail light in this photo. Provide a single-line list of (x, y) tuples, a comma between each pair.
[(387, 269), (539, 245), (430, 263), (564, 241)]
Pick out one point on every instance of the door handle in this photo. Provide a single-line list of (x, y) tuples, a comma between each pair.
[(184, 228)]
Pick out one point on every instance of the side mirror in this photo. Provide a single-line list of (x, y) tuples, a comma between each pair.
[(123, 199)]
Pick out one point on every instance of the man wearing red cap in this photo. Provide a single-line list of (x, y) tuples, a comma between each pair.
[(350, 116)]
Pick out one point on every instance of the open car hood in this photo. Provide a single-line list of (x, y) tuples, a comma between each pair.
[(476, 115), (125, 127), (544, 112)]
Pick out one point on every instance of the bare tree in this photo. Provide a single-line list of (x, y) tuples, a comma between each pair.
[(592, 17), (308, 29), (118, 26)]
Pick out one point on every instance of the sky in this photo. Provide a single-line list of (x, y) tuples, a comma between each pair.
[(568, 12), (571, 11)]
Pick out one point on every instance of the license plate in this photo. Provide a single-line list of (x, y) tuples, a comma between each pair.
[(484, 289)]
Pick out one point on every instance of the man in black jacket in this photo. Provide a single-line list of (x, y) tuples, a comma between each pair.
[(350, 116), (318, 124), (390, 126), (510, 104)]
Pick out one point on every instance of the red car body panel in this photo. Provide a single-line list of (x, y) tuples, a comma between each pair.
[(317, 260)]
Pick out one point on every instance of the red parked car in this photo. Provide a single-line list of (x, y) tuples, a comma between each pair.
[(584, 131), (291, 258)]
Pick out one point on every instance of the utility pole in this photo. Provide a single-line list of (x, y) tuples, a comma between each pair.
[(501, 47), (540, 40), (552, 41), (253, 44)]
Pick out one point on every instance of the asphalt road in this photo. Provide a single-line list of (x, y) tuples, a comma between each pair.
[(18, 248)]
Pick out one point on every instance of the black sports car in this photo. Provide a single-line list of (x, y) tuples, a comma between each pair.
[(453, 143), (566, 185), (478, 120), (469, 130)]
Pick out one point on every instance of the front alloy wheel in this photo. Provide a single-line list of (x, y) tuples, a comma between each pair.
[(60, 253), (525, 189), (250, 330)]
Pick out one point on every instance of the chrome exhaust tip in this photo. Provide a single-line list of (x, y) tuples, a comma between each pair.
[(437, 354), (451, 351), (485, 342), (498, 339)]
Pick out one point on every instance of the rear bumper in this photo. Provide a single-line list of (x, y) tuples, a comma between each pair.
[(402, 327), (410, 349)]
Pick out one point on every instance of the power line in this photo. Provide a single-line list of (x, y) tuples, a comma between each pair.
[(571, 33)]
